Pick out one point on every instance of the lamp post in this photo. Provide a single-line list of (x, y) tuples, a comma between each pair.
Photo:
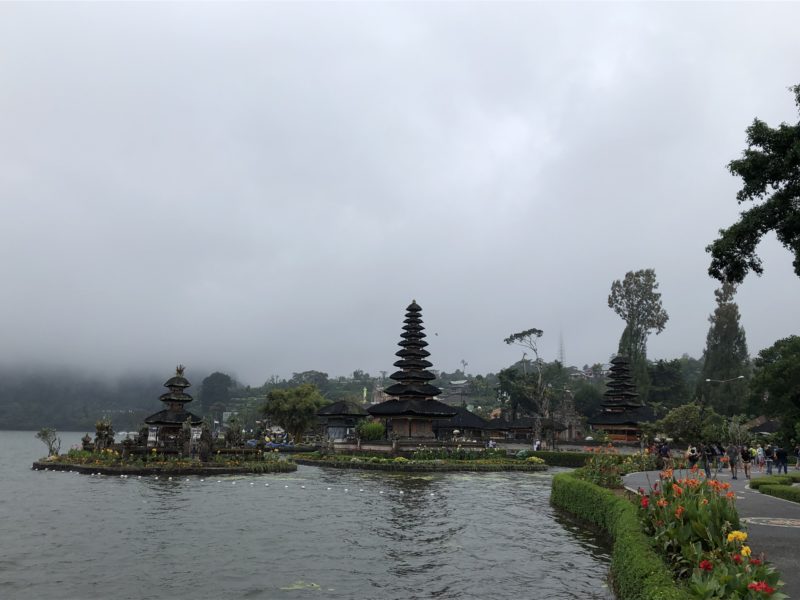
[(724, 380)]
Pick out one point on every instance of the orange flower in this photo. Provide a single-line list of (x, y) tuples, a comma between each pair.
[(731, 495), (679, 512), (662, 503), (677, 489), (705, 501)]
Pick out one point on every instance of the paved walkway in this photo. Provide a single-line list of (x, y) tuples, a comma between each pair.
[(773, 524)]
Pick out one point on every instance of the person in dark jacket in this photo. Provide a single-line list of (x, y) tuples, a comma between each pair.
[(782, 460)]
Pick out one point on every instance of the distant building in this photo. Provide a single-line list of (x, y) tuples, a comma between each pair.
[(166, 425), (412, 409), (621, 411), (340, 419)]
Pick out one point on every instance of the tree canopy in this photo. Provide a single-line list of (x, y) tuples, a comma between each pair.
[(770, 172), (776, 380), (725, 357), (294, 409), (215, 392), (637, 302)]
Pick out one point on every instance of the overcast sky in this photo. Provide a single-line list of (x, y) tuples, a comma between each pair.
[(263, 188)]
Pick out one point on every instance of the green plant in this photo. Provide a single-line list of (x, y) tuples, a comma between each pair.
[(371, 430), (781, 491), (50, 438), (638, 573), (757, 482), (603, 468)]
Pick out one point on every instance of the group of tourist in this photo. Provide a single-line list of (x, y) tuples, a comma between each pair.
[(747, 456)]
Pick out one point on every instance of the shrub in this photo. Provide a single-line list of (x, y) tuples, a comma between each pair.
[(370, 430), (603, 468), (534, 460), (781, 491), (770, 480), (638, 573), (562, 459)]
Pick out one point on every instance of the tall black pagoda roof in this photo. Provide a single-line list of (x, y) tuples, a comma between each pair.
[(176, 385), (175, 399), (413, 395)]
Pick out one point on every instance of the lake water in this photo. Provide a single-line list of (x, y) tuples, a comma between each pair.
[(316, 533)]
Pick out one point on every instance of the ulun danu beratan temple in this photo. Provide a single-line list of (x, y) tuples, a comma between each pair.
[(166, 425), (412, 409)]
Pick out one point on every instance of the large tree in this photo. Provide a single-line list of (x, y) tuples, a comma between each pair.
[(725, 360), (637, 302), (770, 171), (776, 379), (215, 392), (294, 409)]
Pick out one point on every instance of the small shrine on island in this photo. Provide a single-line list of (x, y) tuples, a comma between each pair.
[(412, 408), (168, 427), (340, 419), (621, 411)]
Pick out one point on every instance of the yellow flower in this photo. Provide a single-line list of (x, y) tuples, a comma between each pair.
[(737, 536), (745, 551)]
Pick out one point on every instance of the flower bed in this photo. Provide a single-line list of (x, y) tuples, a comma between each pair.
[(757, 482), (403, 464), (637, 571), (694, 524), (111, 462)]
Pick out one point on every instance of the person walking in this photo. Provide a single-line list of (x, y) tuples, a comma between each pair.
[(797, 454), (760, 458), (769, 455), (707, 458), (732, 453), (746, 458), (781, 460)]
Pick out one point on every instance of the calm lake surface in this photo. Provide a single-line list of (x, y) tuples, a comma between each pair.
[(315, 533)]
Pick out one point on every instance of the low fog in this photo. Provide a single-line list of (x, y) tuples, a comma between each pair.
[(263, 188)]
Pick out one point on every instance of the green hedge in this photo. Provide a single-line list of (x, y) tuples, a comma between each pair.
[(781, 491), (563, 459), (770, 480), (637, 572)]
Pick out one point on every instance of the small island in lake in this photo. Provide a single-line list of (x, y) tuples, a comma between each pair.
[(175, 442)]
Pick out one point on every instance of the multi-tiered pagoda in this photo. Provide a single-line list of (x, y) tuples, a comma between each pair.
[(167, 423), (412, 409), (621, 411)]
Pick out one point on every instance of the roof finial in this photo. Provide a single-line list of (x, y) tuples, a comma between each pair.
[(179, 370)]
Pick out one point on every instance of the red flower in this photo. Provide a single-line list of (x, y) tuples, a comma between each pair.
[(737, 558), (755, 561), (706, 565), (645, 501), (761, 586)]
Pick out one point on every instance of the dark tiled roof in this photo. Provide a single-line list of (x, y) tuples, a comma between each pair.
[(464, 419), (629, 416), (167, 417), (525, 423), (411, 407), (342, 408), (175, 397)]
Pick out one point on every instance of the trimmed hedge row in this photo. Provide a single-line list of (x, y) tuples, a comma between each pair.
[(420, 467), (563, 459), (786, 492), (757, 482), (637, 571)]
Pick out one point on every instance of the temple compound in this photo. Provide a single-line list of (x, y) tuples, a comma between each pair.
[(167, 427), (411, 410)]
